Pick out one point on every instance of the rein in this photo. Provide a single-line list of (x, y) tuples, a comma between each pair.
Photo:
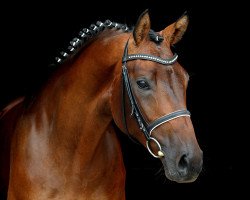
[(145, 127)]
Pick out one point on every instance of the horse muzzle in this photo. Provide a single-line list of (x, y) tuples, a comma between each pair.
[(183, 168)]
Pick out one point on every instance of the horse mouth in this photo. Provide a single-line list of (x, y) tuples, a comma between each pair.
[(174, 173), (177, 177)]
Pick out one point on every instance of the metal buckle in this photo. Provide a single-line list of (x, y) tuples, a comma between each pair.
[(160, 153)]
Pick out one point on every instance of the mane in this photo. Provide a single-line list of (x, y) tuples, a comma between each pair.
[(83, 38), (86, 34)]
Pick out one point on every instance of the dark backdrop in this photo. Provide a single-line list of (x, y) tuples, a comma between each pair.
[(33, 34)]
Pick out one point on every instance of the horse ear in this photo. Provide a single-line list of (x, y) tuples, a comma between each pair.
[(174, 32), (142, 27)]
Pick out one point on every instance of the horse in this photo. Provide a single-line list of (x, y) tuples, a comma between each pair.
[(62, 143)]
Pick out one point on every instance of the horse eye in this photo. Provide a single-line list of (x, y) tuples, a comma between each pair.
[(142, 84)]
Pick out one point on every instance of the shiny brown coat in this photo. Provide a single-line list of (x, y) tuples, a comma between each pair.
[(62, 143)]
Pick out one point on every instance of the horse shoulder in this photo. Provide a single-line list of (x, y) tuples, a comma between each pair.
[(8, 119)]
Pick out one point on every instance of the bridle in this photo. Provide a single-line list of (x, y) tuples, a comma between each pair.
[(145, 127)]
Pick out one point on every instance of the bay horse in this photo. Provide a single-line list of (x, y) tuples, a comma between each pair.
[(62, 144)]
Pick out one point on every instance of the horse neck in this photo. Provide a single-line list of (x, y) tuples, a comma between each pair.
[(74, 105)]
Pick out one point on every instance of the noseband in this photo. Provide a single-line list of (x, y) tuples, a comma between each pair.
[(146, 127)]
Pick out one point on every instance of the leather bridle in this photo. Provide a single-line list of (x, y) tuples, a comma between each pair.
[(145, 127)]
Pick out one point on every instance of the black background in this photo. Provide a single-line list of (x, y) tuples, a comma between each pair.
[(33, 34)]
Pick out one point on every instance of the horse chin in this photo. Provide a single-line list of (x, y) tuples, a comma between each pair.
[(179, 179), (173, 175)]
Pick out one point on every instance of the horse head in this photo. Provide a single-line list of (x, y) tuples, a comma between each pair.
[(153, 97)]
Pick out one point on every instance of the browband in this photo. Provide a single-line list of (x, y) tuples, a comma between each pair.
[(151, 58)]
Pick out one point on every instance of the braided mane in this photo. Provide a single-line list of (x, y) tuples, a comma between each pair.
[(94, 29), (85, 35)]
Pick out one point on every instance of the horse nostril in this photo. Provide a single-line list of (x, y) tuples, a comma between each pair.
[(183, 163)]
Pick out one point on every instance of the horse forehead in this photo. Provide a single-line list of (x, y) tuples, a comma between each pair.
[(154, 68), (162, 50)]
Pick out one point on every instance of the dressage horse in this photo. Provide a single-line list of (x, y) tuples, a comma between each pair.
[(62, 144)]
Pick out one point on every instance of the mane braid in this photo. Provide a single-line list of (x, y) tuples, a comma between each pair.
[(84, 35)]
